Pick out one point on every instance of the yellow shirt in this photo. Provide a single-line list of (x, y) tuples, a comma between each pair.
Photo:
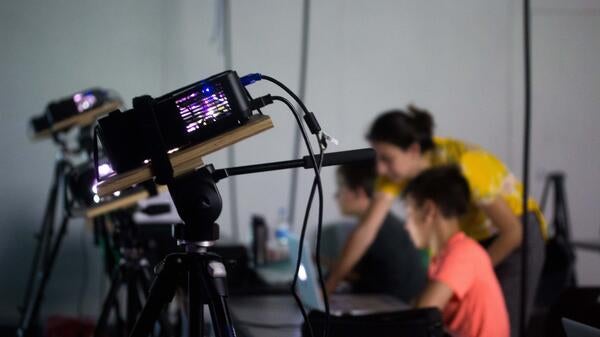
[(488, 178)]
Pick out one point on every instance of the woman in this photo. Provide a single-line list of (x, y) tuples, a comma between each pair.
[(405, 146)]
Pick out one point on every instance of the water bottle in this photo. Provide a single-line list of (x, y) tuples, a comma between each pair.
[(281, 232)]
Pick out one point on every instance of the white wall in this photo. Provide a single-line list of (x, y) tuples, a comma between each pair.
[(461, 59), (49, 50), (566, 107)]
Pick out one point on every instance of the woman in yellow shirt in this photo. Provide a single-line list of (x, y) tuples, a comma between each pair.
[(405, 146)]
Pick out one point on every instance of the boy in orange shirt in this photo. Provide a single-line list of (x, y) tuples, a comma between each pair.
[(462, 282)]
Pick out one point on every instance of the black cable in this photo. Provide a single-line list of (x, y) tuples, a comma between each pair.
[(317, 182), (287, 90), (303, 230), (251, 99), (318, 248), (526, 147)]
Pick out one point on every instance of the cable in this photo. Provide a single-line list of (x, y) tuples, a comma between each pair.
[(287, 90), (318, 249), (251, 99), (303, 230), (318, 184)]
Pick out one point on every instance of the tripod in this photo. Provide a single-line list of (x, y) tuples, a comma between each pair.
[(134, 273), (47, 248), (49, 242), (200, 273)]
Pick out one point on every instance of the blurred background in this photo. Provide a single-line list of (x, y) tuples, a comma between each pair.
[(460, 59)]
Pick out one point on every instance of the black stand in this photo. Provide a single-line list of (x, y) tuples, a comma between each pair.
[(132, 272), (200, 273), (46, 252), (558, 273), (48, 244)]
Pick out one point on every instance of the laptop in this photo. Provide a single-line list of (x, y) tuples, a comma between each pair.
[(310, 293), (576, 329)]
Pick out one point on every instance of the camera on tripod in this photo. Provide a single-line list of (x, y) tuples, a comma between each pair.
[(58, 112), (184, 117)]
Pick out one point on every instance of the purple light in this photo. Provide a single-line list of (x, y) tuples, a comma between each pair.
[(199, 108), (84, 101), (104, 170)]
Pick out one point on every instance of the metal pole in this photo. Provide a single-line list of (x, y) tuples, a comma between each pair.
[(302, 95), (526, 149)]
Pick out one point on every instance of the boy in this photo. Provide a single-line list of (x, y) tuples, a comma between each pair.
[(392, 265), (462, 282)]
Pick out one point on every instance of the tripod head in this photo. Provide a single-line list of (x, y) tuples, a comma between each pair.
[(198, 203)]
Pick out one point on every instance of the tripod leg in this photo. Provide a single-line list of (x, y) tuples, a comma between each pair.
[(218, 293), (109, 302), (43, 239), (161, 293), (145, 279), (195, 305), (31, 312), (133, 299)]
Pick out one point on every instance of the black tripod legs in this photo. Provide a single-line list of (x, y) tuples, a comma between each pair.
[(110, 302), (32, 309), (204, 277), (161, 293), (135, 276)]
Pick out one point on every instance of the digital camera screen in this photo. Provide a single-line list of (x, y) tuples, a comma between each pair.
[(202, 106), (184, 117)]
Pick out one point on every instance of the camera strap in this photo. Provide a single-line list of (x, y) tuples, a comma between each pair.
[(160, 163)]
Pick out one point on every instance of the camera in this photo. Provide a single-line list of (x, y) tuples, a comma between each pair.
[(184, 117), (64, 108)]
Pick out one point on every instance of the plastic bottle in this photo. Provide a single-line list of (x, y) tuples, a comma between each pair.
[(282, 230)]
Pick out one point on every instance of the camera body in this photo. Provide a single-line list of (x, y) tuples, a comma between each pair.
[(184, 117), (62, 109)]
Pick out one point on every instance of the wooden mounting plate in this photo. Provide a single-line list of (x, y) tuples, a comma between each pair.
[(106, 207), (81, 119), (188, 159)]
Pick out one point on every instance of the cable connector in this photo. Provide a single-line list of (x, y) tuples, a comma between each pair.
[(250, 78), (261, 102), (329, 138), (312, 123)]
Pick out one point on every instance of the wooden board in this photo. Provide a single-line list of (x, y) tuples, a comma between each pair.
[(120, 202), (187, 159), (81, 119)]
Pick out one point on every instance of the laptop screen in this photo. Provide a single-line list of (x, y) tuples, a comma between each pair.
[(307, 286)]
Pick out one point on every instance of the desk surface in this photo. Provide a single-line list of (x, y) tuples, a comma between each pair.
[(278, 315), (266, 316)]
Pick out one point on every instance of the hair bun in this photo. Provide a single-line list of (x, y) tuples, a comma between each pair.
[(422, 120)]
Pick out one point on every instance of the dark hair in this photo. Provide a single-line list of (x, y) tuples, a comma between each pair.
[(404, 128), (359, 175), (443, 185)]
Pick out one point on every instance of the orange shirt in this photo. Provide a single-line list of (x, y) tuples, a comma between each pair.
[(477, 307)]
